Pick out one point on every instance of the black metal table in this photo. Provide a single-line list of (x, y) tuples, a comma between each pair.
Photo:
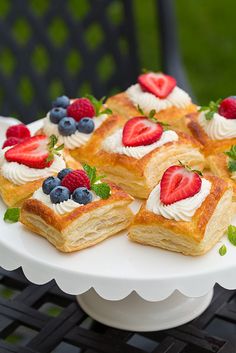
[(43, 319)]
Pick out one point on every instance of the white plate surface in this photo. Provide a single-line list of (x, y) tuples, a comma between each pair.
[(117, 266)]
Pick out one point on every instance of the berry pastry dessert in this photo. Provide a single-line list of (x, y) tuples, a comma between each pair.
[(186, 212), (224, 165), (25, 162), (154, 91), (79, 124), (135, 156), (215, 125), (75, 209)]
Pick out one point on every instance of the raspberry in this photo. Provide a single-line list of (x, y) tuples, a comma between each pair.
[(228, 108), (11, 141), (80, 108), (21, 131), (76, 179)]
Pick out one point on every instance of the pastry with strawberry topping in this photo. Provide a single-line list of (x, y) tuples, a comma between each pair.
[(79, 124), (76, 209), (25, 161), (215, 125), (185, 212), (155, 90), (135, 156)]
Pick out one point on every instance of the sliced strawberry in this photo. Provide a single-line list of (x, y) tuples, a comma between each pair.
[(157, 83), (141, 131), (20, 130), (32, 152), (11, 141), (178, 183)]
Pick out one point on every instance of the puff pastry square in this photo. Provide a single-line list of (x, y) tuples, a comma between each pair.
[(139, 176), (122, 105), (85, 153), (14, 195), (196, 237), (83, 227), (210, 146)]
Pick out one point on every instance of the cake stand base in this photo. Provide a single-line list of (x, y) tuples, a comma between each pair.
[(136, 314)]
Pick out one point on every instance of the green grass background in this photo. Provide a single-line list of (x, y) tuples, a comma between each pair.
[(206, 31)]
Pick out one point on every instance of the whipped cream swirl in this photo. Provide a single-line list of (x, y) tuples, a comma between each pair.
[(182, 210), (148, 101), (20, 174), (113, 144), (75, 140), (62, 207), (218, 128)]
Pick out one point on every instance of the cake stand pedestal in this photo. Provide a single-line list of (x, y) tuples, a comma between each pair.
[(121, 283)]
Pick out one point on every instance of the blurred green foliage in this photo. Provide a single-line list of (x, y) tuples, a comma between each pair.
[(206, 33)]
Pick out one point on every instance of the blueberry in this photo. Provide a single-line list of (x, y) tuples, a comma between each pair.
[(62, 101), (86, 125), (50, 183), (82, 195), (63, 173), (59, 194), (56, 114), (67, 126)]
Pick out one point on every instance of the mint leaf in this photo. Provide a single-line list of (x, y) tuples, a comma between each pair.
[(211, 109), (91, 172), (232, 166), (102, 190), (98, 104), (12, 215), (222, 250), (232, 234)]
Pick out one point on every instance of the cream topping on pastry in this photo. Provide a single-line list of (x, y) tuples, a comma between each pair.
[(113, 144), (218, 128), (182, 210), (148, 101), (20, 174), (62, 207), (75, 140)]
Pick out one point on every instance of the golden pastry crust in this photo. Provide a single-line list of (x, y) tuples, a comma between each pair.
[(191, 238), (219, 166), (85, 154), (139, 176), (210, 146), (14, 195), (122, 105), (84, 226)]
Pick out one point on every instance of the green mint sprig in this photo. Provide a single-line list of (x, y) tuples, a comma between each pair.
[(190, 169), (151, 116), (222, 250), (101, 189), (52, 149), (98, 105), (12, 215), (211, 109), (232, 158)]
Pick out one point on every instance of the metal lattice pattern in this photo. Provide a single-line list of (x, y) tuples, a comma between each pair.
[(42, 319), (52, 47)]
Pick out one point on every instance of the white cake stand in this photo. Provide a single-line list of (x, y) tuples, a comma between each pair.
[(121, 283)]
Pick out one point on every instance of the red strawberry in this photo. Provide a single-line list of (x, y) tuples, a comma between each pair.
[(157, 83), (11, 141), (32, 152), (76, 179), (21, 131), (80, 108), (178, 183), (141, 131), (227, 108)]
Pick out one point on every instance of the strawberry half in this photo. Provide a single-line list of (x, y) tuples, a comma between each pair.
[(157, 83), (32, 152), (141, 131), (178, 183)]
